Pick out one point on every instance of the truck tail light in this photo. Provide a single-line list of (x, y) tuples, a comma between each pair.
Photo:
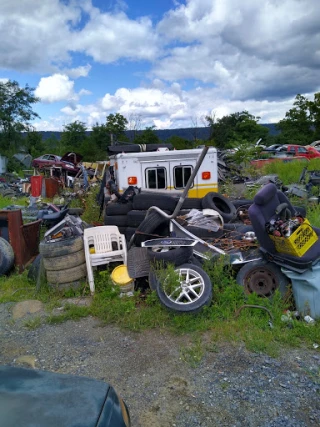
[(132, 180), (206, 175)]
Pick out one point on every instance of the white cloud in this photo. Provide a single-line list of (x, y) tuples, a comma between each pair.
[(35, 34), (41, 35), (150, 102), (167, 109), (267, 49), (107, 38), (221, 55), (55, 88), (81, 71), (84, 92), (3, 80)]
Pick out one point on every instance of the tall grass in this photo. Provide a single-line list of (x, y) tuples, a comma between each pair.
[(7, 201), (289, 173), (313, 214)]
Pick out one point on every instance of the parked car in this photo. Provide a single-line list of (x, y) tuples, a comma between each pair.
[(31, 397), (272, 148), (314, 150), (315, 144), (45, 160), (68, 161), (298, 150)]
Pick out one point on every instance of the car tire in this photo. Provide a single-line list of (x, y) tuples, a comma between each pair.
[(196, 261), (8, 193), (67, 275), (114, 209), (263, 278), (116, 149), (61, 247), (193, 299), (170, 255), (242, 204), (65, 261), (75, 211), (135, 218), (6, 256), (154, 223), (192, 203), (129, 232), (145, 201), (220, 204), (119, 220)]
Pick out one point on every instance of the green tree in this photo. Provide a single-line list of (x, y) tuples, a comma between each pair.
[(100, 139), (116, 125), (51, 144), (73, 135), (314, 108), (34, 144), (16, 113), (235, 128), (147, 136), (179, 143), (299, 124)]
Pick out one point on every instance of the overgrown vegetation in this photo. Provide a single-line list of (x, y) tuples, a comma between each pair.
[(220, 321), (289, 173)]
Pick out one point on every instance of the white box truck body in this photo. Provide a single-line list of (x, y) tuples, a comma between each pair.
[(166, 171)]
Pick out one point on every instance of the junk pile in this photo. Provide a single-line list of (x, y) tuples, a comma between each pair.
[(62, 252), (145, 232)]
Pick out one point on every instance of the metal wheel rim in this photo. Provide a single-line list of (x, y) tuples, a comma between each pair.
[(191, 287), (163, 249), (261, 281)]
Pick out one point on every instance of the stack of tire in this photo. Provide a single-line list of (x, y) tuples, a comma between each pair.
[(129, 217), (64, 261), (7, 191), (6, 256)]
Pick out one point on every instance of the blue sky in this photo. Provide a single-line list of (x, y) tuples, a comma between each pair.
[(166, 64)]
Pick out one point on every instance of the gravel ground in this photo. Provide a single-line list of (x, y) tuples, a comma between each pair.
[(230, 387)]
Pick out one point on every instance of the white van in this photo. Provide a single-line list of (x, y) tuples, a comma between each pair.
[(166, 171)]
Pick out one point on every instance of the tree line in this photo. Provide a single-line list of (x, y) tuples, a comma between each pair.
[(301, 125)]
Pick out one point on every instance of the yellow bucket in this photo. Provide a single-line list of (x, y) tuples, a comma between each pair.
[(120, 277)]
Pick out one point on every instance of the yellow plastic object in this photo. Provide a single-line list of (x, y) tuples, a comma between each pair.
[(120, 277), (299, 241)]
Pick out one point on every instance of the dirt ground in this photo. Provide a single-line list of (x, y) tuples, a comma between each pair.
[(229, 387)]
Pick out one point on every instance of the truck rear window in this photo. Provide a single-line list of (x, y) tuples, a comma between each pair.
[(156, 178), (181, 175)]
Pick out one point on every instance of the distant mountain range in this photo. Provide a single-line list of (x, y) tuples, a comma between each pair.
[(163, 134)]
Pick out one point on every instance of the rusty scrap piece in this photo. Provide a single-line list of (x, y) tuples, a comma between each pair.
[(24, 238), (226, 244), (253, 306)]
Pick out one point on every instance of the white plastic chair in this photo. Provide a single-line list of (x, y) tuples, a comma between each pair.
[(103, 245)]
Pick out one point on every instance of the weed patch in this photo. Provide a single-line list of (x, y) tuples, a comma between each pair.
[(70, 312), (34, 323), (194, 353)]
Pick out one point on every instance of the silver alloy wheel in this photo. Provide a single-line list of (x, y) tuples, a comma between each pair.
[(190, 289)]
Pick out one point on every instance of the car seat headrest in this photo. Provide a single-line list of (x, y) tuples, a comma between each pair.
[(265, 194)]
